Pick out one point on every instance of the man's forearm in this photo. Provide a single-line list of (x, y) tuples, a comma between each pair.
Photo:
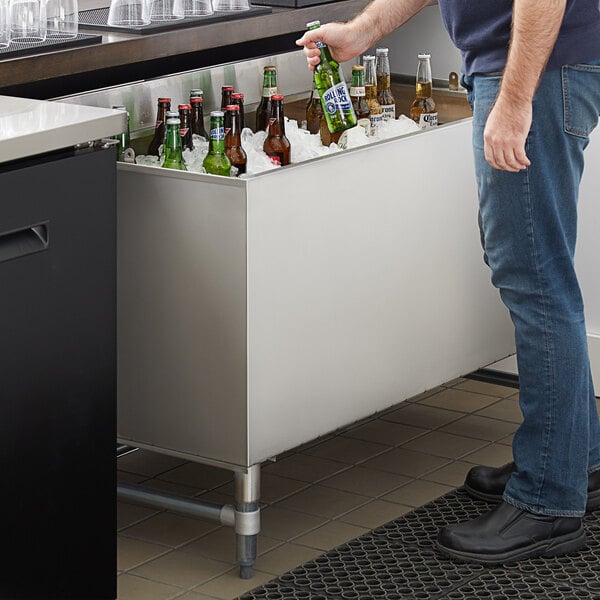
[(381, 17), (534, 31)]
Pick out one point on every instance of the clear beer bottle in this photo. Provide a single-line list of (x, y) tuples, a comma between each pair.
[(233, 141), (423, 110), (172, 146), (269, 87), (164, 104), (375, 110), (384, 84), (185, 116), (216, 161), (276, 146), (359, 102), (197, 104), (332, 89)]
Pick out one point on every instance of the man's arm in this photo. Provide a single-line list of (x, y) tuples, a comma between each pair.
[(535, 27), (347, 40)]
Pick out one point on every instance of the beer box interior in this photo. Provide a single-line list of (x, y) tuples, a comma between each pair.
[(257, 314)]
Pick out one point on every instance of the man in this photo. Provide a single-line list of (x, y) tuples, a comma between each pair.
[(532, 72)]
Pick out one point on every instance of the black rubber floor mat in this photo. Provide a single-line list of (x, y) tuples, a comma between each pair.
[(398, 561)]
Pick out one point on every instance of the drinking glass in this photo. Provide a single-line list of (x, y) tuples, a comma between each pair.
[(28, 21), (230, 5), (129, 13), (63, 18), (166, 10), (197, 8), (4, 24)]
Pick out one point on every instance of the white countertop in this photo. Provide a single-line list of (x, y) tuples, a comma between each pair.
[(30, 127)]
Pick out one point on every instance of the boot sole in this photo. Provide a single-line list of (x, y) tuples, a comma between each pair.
[(546, 549), (593, 502)]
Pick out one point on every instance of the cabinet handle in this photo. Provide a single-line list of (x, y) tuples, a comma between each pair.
[(21, 242)]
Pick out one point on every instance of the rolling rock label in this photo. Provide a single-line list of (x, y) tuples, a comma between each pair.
[(336, 98), (428, 120)]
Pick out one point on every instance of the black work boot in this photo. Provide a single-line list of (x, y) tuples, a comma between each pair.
[(488, 483), (508, 534)]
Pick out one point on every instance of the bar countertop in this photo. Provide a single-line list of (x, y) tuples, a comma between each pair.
[(119, 50)]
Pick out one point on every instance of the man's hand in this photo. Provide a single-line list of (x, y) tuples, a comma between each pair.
[(505, 135)]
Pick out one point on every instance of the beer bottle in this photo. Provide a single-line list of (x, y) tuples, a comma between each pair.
[(384, 85), (185, 116), (314, 111), (164, 104), (238, 98), (359, 102), (423, 110), (226, 91), (172, 146), (216, 161), (197, 104), (276, 146), (332, 89), (233, 141), (375, 110), (125, 152), (269, 87)]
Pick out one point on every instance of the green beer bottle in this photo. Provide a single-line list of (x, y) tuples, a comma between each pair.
[(332, 89), (125, 152), (173, 156), (216, 161)]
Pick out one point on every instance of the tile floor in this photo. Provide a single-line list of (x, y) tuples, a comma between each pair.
[(314, 497)]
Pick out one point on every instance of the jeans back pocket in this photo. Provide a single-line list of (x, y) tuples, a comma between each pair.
[(581, 98)]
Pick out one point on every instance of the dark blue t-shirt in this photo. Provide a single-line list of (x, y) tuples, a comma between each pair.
[(481, 31)]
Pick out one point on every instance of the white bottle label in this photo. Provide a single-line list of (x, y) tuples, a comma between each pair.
[(375, 120), (336, 98), (269, 91), (357, 92), (217, 134), (389, 111), (428, 120)]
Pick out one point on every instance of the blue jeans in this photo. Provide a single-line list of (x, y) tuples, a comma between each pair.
[(528, 223)]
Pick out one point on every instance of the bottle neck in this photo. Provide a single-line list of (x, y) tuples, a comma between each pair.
[(232, 137), (173, 140), (216, 144), (269, 84), (276, 121)]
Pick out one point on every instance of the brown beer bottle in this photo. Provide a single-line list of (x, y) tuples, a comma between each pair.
[(238, 98), (276, 145), (185, 130), (375, 110), (357, 95), (197, 104), (384, 85), (423, 110), (269, 87), (233, 141), (164, 104), (314, 111), (226, 92)]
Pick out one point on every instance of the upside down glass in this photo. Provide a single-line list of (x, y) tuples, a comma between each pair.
[(63, 18), (28, 21), (129, 13), (4, 24)]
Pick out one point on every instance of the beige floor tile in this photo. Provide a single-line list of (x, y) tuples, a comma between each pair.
[(417, 493), (323, 501), (421, 415), (452, 474), (507, 440), (275, 488), (304, 468), (197, 475), (220, 545), (375, 513), (183, 569), (330, 535), (406, 462), (494, 455), (129, 514), (131, 587), (229, 585), (454, 382), (346, 450), (364, 481), (506, 409), (483, 387), (194, 596), (443, 444), (169, 529), (149, 464), (282, 524), (285, 557), (132, 552), (220, 495), (424, 394), (461, 400), (384, 432), (482, 428)]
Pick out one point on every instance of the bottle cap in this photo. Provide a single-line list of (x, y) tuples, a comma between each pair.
[(163, 100), (270, 68), (217, 113), (277, 97), (238, 95), (424, 55), (172, 113), (196, 91), (367, 57), (312, 24), (184, 107), (196, 99), (227, 88), (358, 68), (381, 51), (173, 121), (232, 107)]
